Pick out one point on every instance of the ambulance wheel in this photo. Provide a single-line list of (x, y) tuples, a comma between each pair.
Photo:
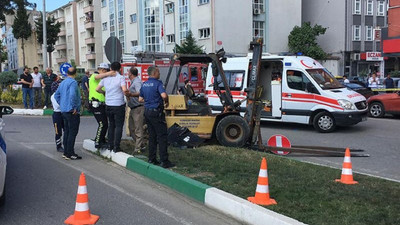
[(232, 131), (376, 110), (324, 122)]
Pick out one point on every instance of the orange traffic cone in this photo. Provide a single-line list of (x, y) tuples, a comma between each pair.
[(347, 172), (82, 213), (262, 190)]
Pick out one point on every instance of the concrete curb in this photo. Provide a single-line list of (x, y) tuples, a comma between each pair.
[(243, 210), (32, 112), (222, 201)]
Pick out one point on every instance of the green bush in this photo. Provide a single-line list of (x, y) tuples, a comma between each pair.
[(11, 96), (8, 78), (395, 73)]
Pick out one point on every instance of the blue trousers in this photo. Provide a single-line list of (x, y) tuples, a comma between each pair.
[(71, 128), (25, 92)]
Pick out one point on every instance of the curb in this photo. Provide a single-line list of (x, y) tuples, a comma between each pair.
[(233, 206), (42, 112)]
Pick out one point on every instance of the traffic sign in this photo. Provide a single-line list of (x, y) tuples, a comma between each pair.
[(279, 141), (113, 49), (64, 68)]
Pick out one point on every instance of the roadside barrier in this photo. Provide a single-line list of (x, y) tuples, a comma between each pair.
[(347, 172), (262, 191), (82, 213)]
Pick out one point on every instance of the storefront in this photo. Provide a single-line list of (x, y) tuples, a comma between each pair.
[(372, 62)]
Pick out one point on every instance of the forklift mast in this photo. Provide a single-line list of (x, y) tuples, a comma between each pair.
[(254, 92)]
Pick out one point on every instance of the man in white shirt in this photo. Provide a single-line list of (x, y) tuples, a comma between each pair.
[(345, 80), (115, 89), (373, 81), (37, 87)]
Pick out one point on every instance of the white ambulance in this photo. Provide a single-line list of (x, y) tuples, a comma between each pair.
[(296, 89)]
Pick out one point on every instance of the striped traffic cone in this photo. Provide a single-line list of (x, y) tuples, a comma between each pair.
[(82, 213), (262, 190), (347, 172)]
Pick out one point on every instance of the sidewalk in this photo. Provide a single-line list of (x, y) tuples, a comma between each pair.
[(238, 208)]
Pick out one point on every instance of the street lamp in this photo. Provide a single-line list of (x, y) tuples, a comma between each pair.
[(173, 7), (44, 51)]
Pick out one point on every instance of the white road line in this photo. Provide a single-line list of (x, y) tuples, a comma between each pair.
[(137, 198)]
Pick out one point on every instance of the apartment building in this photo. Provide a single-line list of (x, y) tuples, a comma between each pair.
[(13, 46), (353, 33), (157, 25), (391, 37)]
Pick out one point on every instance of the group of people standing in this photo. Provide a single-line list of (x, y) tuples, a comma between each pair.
[(32, 85), (107, 91)]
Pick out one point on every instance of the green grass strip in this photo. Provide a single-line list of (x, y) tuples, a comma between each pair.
[(304, 191), (182, 184)]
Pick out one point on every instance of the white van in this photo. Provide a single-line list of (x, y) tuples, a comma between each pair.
[(296, 89)]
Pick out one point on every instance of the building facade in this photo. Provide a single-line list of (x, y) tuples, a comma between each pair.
[(391, 37), (157, 25), (352, 34)]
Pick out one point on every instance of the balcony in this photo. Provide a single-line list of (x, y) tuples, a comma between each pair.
[(91, 56), (61, 19), (62, 33), (61, 46), (62, 59), (90, 40), (89, 25), (89, 8)]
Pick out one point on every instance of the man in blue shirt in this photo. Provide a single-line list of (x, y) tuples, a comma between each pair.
[(154, 96), (69, 98)]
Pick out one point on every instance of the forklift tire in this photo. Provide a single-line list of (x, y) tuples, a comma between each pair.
[(232, 131), (324, 122)]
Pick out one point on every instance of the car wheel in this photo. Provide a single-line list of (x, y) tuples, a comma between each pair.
[(376, 110), (232, 131), (3, 197), (324, 122)]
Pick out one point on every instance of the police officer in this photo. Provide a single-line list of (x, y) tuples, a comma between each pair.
[(153, 95)]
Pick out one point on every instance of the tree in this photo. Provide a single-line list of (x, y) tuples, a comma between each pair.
[(3, 54), (52, 30), (303, 39), (189, 46), (22, 28), (7, 7)]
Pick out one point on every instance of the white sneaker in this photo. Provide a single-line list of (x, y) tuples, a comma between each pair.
[(45, 107)]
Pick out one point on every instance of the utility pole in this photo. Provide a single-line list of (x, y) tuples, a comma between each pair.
[(44, 51)]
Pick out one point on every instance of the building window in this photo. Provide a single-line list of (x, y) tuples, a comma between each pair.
[(152, 25), (104, 26), (133, 18), (121, 30), (258, 29), (204, 33), (381, 8), (112, 17), (357, 7), (258, 5), (356, 33), (368, 33), (183, 19), (170, 38), (134, 43), (169, 8), (202, 2), (370, 7), (103, 3)]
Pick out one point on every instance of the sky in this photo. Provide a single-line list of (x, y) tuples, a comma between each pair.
[(50, 4)]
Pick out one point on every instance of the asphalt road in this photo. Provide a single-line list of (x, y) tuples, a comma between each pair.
[(41, 186), (378, 137)]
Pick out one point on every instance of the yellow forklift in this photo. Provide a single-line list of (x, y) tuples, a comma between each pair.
[(193, 112)]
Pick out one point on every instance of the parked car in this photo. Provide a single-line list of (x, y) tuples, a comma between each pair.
[(381, 104), (360, 89), (4, 110)]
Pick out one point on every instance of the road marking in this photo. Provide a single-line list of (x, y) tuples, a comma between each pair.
[(87, 173), (46, 143)]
